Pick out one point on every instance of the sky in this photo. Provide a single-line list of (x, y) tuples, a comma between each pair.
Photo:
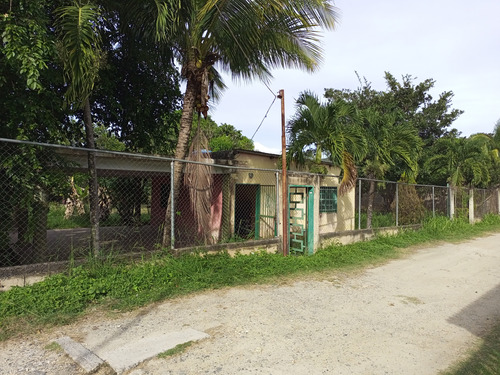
[(454, 42)]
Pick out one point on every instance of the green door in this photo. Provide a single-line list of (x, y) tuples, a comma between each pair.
[(301, 221)]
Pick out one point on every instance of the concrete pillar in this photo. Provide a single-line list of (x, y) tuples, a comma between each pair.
[(451, 202), (471, 206), (498, 200)]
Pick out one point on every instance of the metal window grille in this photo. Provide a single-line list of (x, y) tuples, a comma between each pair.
[(327, 199)]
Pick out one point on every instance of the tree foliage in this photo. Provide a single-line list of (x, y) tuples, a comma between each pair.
[(331, 129), (414, 121)]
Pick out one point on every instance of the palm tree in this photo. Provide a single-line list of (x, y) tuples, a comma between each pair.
[(465, 161), (388, 141), (245, 37), (331, 129), (80, 49)]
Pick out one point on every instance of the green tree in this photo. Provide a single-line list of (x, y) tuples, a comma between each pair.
[(27, 44), (222, 137), (413, 105), (31, 108), (331, 129), (464, 161), (80, 50), (432, 118), (387, 143), (246, 38), (138, 94), (393, 144)]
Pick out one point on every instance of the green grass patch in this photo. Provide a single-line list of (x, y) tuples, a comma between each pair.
[(483, 361), (379, 220), (54, 346), (176, 350), (56, 219), (110, 284)]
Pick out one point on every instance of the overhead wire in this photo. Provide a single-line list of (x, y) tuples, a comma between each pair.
[(265, 116)]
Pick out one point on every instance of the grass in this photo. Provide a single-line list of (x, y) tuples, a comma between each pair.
[(56, 219), (485, 360), (379, 220), (53, 346), (110, 284), (175, 350)]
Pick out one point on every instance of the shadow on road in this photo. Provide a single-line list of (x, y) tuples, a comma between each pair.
[(478, 317)]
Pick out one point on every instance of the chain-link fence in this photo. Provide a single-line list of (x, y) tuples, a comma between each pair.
[(485, 202), (385, 204), (45, 203)]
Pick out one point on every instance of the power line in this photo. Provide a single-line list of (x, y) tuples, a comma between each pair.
[(264, 115)]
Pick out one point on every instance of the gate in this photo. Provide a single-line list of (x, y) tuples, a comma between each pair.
[(301, 222)]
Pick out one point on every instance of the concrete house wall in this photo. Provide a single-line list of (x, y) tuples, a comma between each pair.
[(342, 220)]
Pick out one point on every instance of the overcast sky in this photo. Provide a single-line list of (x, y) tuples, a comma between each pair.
[(454, 42)]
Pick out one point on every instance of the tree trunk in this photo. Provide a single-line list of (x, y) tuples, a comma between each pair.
[(93, 183), (180, 154), (371, 197)]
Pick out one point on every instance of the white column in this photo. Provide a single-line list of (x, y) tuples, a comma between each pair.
[(471, 206)]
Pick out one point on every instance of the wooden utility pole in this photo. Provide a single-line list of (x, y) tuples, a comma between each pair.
[(284, 184)]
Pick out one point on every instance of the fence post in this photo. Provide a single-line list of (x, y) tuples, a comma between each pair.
[(498, 201), (451, 202), (433, 203), (471, 206), (359, 204), (172, 206), (397, 204)]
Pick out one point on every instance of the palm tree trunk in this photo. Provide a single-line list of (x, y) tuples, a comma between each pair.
[(180, 153), (371, 198), (93, 183)]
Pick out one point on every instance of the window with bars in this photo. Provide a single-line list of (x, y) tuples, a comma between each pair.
[(327, 199)]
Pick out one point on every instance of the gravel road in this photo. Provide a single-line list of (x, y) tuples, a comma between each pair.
[(415, 315)]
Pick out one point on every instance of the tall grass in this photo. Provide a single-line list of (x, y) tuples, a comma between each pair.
[(118, 285)]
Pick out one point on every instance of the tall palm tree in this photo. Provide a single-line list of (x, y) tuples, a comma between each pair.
[(331, 129), (80, 48), (388, 141), (244, 37)]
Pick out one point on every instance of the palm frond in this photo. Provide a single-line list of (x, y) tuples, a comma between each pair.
[(80, 48), (198, 179), (350, 174)]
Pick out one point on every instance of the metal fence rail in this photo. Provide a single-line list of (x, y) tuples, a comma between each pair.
[(44, 204)]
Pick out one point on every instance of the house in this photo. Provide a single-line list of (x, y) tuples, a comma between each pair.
[(246, 198)]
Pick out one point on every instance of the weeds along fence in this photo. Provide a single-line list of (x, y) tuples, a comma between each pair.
[(45, 214), (386, 203)]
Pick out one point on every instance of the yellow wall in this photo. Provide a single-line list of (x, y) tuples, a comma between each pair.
[(342, 220)]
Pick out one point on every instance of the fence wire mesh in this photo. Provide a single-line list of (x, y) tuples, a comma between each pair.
[(485, 202), (44, 204), (45, 211)]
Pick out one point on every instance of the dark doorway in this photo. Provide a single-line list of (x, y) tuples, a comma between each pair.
[(244, 210)]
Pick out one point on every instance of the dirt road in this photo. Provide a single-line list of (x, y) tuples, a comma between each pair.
[(416, 315)]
